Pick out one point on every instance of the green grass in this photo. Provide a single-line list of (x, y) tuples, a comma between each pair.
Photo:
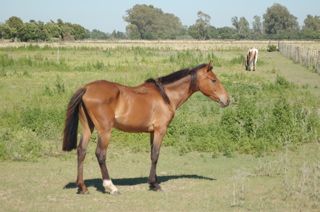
[(270, 107), (287, 181)]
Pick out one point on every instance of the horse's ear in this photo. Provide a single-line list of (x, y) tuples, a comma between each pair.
[(209, 66)]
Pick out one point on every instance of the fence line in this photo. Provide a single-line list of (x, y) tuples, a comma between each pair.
[(305, 56)]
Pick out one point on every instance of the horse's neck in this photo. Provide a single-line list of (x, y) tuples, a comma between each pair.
[(178, 92)]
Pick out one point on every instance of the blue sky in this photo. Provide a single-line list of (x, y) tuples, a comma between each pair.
[(106, 15)]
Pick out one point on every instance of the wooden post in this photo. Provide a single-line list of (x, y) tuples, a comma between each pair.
[(318, 63), (297, 55)]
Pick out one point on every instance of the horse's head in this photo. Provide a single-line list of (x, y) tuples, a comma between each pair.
[(211, 86)]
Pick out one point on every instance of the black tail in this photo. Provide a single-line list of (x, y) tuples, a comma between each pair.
[(72, 118)]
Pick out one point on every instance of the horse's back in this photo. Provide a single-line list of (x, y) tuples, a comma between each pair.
[(253, 53), (101, 90)]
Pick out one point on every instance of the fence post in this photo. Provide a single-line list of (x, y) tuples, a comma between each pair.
[(318, 63), (297, 55), (308, 58), (304, 56), (281, 46)]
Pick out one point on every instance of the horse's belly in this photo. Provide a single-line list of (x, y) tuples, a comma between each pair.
[(133, 123)]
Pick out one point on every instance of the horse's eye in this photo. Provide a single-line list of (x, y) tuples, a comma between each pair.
[(214, 80)]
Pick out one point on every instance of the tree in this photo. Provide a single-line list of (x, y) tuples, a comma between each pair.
[(151, 23), (133, 32), (117, 35), (53, 29), (5, 31), (311, 28), (257, 25), (33, 30), (235, 23), (312, 23), (15, 24), (69, 31), (65, 30), (78, 32), (97, 34), (171, 26), (242, 25), (43, 32), (200, 30), (278, 20), (143, 17), (223, 33), (29, 31)]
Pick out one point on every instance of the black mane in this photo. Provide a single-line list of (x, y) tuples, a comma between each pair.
[(175, 76), (179, 75)]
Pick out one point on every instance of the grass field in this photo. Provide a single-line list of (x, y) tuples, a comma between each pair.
[(260, 153), (286, 181), (211, 45)]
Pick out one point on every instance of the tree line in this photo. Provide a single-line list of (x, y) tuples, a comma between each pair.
[(15, 29), (150, 23)]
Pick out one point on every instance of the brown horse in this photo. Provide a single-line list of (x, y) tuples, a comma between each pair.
[(149, 107)]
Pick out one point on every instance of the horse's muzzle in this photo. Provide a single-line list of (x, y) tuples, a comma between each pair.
[(224, 103)]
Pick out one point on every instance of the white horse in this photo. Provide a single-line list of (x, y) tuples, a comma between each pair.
[(252, 57)]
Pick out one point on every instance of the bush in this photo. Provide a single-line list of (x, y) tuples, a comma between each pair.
[(272, 48), (238, 60), (5, 60), (20, 145), (36, 118)]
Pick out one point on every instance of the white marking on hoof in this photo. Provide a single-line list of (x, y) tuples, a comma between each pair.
[(110, 187)]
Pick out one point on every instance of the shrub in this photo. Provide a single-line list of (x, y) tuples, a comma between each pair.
[(238, 60), (36, 118), (99, 65), (272, 48), (20, 145), (5, 60)]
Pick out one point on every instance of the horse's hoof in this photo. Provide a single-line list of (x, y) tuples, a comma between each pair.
[(115, 193), (83, 192), (153, 188)]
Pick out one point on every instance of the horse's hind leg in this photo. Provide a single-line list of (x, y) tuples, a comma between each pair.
[(87, 128), (101, 153)]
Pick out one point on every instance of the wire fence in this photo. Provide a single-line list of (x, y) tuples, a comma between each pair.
[(305, 56)]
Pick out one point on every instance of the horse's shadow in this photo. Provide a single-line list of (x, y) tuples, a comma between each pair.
[(97, 183)]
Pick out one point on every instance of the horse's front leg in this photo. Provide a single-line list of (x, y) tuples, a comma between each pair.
[(155, 141)]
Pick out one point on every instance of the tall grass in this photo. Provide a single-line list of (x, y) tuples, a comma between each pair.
[(36, 84)]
